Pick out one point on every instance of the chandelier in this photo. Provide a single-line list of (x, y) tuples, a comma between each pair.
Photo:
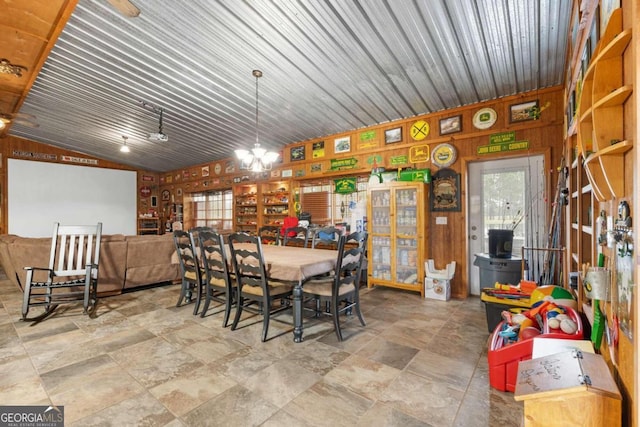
[(258, 159)]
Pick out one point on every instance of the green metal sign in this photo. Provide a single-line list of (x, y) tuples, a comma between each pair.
[(399, 160), (499, 148), (339, 164), (368, 135), (415, 175), (345, 185), (502, 138)]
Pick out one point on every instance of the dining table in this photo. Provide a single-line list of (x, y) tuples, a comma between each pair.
[(293, 265), (297, 265)]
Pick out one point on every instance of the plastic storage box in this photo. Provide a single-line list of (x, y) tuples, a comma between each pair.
[(504, 358), (494, 306)]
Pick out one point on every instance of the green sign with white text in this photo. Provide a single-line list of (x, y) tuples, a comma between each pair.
[(339, 164), (501, 138), (499, 148), (368, 135), (345, 185), (399, 160)]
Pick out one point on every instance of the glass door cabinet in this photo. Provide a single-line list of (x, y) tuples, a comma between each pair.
[(397, 235)]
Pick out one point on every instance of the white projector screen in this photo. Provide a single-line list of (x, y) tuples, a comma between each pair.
[(41, 193)]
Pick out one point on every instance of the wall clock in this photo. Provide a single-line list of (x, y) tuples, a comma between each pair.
[(419, 130), (484, 118), (217, 168), (443, 155)]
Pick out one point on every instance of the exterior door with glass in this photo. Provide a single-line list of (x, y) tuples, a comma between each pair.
[(506, 194)]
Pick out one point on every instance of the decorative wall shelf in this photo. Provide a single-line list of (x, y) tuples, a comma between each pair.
[(601, 138)]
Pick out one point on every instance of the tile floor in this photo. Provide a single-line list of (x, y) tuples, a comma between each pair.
[(142, 361)]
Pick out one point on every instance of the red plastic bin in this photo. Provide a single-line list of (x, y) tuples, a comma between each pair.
[(503, 358)]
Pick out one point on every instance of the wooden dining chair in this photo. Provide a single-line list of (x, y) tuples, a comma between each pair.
[(193, 276), (72, 273), (326, 238), (218, 285), (252, 283), (342, 289), (269, 234), (198, 229), (296, 236)]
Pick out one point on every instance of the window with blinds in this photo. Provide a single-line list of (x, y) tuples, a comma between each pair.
[(213, 209), (319, 199)]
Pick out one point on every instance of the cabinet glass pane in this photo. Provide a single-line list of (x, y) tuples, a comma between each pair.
[(382, 257), (407, 260), (406, 213), (381, 208)]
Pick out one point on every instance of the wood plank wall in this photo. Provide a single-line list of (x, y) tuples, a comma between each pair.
[(446, 243)]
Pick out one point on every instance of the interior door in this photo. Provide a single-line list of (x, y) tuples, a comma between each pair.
[(505, 194)]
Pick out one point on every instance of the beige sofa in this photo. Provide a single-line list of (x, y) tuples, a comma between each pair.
[(126, 262)]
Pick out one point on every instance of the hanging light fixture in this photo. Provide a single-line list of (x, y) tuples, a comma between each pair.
[(125, 147), (258, 159)]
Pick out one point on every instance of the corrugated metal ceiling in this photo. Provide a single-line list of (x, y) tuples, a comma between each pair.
[(329, 66)]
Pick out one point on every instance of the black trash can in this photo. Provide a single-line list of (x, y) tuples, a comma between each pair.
[(500, 243)]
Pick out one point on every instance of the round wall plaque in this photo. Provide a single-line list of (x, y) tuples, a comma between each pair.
[(484, 118), (419, 130), (443, 155)]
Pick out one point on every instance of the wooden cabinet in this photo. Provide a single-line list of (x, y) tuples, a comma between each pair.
[(246, 208), (601, 137), (149, 225), (397, 235), (275, 198), (256, 205), (569, 388)]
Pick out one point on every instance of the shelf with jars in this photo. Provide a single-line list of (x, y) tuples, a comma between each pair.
[(275, 197), (246, 208)]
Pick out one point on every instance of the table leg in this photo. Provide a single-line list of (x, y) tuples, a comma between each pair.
[(297, 312)]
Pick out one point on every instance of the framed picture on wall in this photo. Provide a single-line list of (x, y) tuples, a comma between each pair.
[(523, 111), (342, 145), (297, 153), (392, 136), (154, 201), (451, 125)]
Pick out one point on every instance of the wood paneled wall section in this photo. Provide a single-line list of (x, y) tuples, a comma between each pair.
[(446, 243)]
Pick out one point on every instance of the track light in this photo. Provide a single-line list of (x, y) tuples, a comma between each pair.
[(125, 147)]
